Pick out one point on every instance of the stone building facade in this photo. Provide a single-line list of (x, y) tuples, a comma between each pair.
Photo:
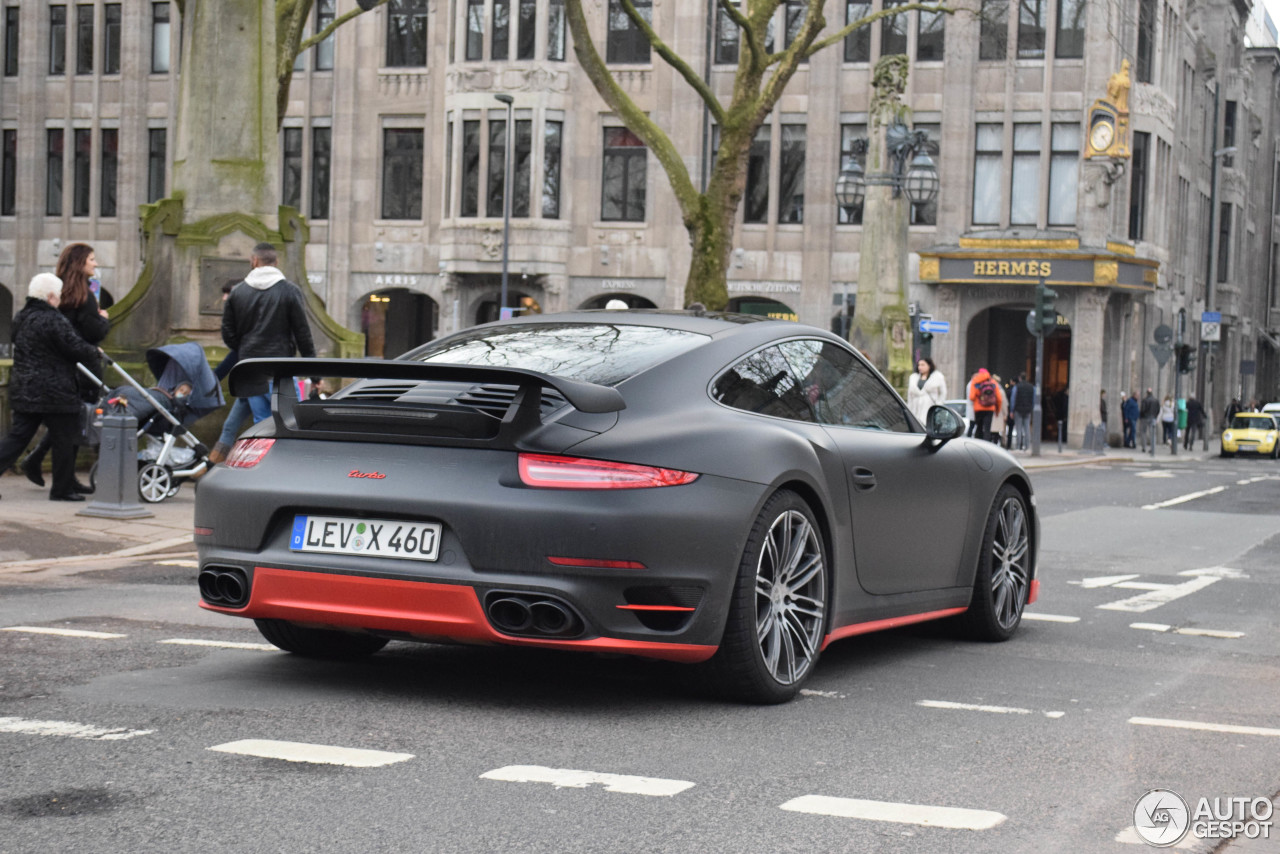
[(393, 147)]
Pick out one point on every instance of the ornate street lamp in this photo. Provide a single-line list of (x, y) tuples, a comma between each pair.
[(921, 182), (851, 186)]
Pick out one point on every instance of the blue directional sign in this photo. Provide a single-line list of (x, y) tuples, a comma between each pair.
[(935, 326), (1210, 317)]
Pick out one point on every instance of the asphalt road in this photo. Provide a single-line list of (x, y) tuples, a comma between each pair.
[(1152, 664)]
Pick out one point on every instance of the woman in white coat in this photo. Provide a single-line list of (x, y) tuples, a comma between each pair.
[(926, 388)]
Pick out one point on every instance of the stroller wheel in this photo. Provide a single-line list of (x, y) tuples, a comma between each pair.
[(155, 483)]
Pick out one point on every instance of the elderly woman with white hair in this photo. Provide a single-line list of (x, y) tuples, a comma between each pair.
[(43, 387)]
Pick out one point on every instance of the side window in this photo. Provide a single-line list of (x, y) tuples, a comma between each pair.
[(842, 389), (764, 383)]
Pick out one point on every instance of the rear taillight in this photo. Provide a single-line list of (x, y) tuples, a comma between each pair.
[(247, 453), (549, 472)]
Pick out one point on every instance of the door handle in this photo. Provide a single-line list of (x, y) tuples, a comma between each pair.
[(863, 479)]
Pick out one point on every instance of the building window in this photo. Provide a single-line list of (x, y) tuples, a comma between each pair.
[(930, 35), (407, 34), (1024, 201), (402, 151), (157, 160), (57, 40), (501, 30), (1033, 20), (84, 39), (857, 45), (291, 171), (893, 31), (791, 175), (55, 140), (10, 41), (522, 150), (794, 11), (849, 157), (1064, 172), (448, 166), (527, 32), (1228, 132), (475, 30), (757, 200), (727, 37), (82, 139), (321, 146), (993, 36), (555, 30), (1224, 241), (987, 173), (552, 142), (623, 185), (325, 12), (110, 157), (9, 174), (926, 213), (1138, 185), (111, 39), (497, 168), (1145, 64), (1070, 36), (470, 168), (626, 43), (160, 38)]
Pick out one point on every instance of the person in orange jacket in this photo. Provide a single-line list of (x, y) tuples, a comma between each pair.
[(987, 400)]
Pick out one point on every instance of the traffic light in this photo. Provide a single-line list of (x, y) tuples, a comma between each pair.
[(1046, 314), (1186, 358)]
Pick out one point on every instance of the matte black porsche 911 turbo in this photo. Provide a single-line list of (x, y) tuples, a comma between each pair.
[(715, 489)]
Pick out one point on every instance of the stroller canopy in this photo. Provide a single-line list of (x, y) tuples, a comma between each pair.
[(174, 364)]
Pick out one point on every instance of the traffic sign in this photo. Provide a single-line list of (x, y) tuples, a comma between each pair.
[(1210, 317), (1210, 330), (935, 326), (1162, 352)]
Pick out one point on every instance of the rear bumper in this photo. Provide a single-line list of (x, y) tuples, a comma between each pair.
[(413, 610)]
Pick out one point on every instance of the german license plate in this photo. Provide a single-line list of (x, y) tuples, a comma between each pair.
[(338, 535)]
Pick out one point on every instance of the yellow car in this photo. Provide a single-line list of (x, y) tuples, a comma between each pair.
[(1252, 433)]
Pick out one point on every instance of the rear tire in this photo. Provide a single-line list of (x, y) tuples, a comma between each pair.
[(777, 614), (1003, 580), (318, 643)]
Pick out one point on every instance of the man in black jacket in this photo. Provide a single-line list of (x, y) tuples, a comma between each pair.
[(265, 318), (43, 387)]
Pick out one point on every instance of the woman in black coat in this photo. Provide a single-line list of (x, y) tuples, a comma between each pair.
[(43, 387), (76, 268)]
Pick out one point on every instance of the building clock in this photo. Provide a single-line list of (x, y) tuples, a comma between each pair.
[(1101, 136)]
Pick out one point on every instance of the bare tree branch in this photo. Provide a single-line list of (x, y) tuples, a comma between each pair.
[(872, 18), (333, 25), (675, 61), (748, 34)]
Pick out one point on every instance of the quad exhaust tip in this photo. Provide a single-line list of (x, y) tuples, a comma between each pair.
[(531, 615), (225, 586)]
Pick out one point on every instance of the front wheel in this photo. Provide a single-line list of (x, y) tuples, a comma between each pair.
[(778, 613), (155, 483), (318, 643), (1003, 579)]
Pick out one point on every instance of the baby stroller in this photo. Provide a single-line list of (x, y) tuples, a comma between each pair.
[(185, 391)]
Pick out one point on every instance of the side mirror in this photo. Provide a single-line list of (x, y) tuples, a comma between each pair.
[(942, 424)]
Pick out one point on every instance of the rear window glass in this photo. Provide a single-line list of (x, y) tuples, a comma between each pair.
[(602, 353)]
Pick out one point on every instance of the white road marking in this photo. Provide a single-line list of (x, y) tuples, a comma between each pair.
[(974, 707), (222, 644), (191, 564), (320, 754), (1216, 572), (1155, 474), (929, 816), (1102, 581), (68, 633), (1156, 598), (1049, 618), (564, 778), (1199, 725), (1203, 633), (1183, 499), (68, 729), (830, 695), (1141, 585), (1150, 627)]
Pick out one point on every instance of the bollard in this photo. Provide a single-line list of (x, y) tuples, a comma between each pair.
[(1060, 437), (1086, 446), (116, 490)]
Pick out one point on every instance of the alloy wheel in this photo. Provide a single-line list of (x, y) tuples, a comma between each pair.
[(1010, 570), (790, 597)]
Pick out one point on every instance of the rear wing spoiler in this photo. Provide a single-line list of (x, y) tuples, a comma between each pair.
[(523, 415)]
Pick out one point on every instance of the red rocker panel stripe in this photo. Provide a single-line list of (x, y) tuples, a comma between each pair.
[(447, 611), (1035, 591), (891, 623)]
